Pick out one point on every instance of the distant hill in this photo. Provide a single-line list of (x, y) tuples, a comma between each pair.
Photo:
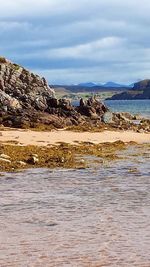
[(141, 90), (108, 84), (94, 87), (88, 84), (91, 89), (115, 85)]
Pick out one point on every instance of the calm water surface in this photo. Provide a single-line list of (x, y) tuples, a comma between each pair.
[(94, 217), (138, 107)]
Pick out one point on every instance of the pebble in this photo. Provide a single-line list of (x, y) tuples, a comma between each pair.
[(62, 160), (5, 160), (33, 159), (4, 156), (82, 161), (22, 163)]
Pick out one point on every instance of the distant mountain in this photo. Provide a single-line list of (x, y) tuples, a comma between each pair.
[(89, 84), (107, 85), (92, 89), (114, 85), (141, 90), (131, 85)]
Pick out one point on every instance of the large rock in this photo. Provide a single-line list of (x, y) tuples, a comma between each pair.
[(92, 108), (27, 100), (20, 88)]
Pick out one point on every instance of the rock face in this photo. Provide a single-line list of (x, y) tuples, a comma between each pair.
[(26, 99), (20, 88)]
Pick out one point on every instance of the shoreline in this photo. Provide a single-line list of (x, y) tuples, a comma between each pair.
[(54, 137), (25, 149)]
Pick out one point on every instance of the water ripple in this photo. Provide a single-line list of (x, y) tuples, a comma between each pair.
[(94, 217)]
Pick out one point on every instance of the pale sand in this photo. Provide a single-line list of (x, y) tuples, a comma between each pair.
[(27, 137)]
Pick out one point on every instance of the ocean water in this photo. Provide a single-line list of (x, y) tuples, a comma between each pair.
[(91, 217), (137, 107)]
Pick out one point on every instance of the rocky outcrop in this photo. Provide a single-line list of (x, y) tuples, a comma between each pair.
[(20, 88), (92, 108), (27, 100)]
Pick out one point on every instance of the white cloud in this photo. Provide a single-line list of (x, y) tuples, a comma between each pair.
[(34, 8), (88, 50), (78, 39), (97, 74), (14, 25)]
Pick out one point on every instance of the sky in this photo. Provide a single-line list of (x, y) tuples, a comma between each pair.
[(78, 41)]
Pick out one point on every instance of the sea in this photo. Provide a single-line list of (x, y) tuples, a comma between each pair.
[(136, 107), (92, 217)]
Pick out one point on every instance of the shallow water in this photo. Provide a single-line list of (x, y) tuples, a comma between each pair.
[(93, 217)]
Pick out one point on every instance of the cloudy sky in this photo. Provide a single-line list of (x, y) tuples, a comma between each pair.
[(77, 41)]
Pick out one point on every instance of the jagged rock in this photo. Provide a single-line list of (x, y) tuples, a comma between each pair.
[(92, 108), (53, 103), (27, 100), (8, 102), (107, 117), (82, 102), (127, 116), (20, 88), (65, 104)]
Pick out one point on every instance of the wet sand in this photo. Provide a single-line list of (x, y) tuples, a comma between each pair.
[(28, 137)]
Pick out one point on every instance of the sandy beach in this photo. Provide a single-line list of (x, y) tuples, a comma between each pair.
[(28, 137)]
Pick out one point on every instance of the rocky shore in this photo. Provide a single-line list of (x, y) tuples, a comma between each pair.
[(14, 157), (27, 102)]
